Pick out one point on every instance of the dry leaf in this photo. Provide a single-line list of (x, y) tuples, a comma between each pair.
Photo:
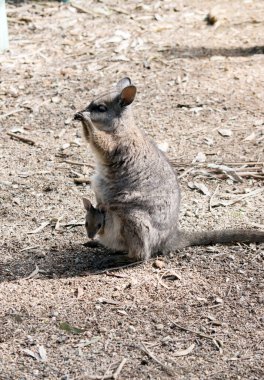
[(123, 312), (201, 157), (65, 146), (185, 352), (17, 201), (42, 353), (209, 140), (56, 99), (122, 33), (115, 39), (201, 299), (105, 11), (32, 354), (250, 137), (225, 132), (33, 274), (18, 130), (58, 225), (210, 19), (84, 343), (211, 317), (203, 189), (159, 264), (110, 302), (120, 57), (79, 292), (230, 172), (199, 186), (219, 300), (71, 329), (164, 147), (161, 282), (172, 276)]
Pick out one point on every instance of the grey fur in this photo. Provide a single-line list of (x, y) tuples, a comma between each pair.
[(135, 179)]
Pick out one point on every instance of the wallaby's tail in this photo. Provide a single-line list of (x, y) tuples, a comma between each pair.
[(187, 239)]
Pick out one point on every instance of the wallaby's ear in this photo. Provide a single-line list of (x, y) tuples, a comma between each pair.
[(125, 82), (128, 95), (87, 204)]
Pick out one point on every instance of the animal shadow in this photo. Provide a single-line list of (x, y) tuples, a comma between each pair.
[(204, 52), (69, 261)]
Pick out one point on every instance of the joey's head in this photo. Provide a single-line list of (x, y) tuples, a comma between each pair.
[(106, 112), (95, 218)]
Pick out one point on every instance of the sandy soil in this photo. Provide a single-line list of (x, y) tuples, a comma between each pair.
[(200, 316)]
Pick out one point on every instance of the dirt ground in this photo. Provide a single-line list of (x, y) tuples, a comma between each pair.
[(200, 314)]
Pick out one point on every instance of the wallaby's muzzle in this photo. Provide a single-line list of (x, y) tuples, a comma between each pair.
[(82, 115), (91, 235), (78, 116)]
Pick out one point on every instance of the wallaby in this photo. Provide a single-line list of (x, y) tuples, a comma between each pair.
[(138, 183)]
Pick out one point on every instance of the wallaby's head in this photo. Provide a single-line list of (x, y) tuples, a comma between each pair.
[(106, 111), (95, 218)]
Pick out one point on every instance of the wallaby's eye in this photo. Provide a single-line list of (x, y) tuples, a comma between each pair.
[(101, 108), (99, 226)]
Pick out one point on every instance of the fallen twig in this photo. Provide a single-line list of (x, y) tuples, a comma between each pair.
[(224, 176), (21, 138), (119, 10), (239, 198), (212, 197), (202, 335), (80, 180), (162, 283), (223, 171), (185, 351), (204, 165), (187, 171), (78, 163), (82, 9), (119, 369), (11, 113), (169, 370), (40, 228), (29, 248), (245, 163), (72, 224), (252, 175), (107, 375)]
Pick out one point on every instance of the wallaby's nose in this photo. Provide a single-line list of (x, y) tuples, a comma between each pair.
[(78, 116), (91, 235), (82, 115)]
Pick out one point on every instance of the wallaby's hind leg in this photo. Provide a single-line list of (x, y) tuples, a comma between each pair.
[(139, 253), (137, 237)]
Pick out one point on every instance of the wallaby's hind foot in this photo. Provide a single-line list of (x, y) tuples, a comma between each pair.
[(116, 261), (93, 244)]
